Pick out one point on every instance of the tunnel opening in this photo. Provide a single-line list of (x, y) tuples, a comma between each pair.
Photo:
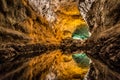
[(81, 32), (81, 59)]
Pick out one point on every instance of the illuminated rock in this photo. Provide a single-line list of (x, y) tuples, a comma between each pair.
[(29, 32)]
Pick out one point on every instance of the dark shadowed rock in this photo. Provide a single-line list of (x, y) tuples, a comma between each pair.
[(103, 18)]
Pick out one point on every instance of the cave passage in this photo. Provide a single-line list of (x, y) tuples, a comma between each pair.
[(81, 32), (82, 59), (50, 40)]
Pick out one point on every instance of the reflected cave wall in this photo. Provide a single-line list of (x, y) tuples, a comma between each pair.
[(103, 18)]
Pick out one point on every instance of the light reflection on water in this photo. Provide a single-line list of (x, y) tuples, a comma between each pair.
[(52, 65), (59, 66)]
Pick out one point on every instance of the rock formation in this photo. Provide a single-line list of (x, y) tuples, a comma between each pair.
[(103, 18), (31, 40), (36, 43)]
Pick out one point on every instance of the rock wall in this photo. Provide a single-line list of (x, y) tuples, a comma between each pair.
[(28, 20), (19, 23), (31, 29), (103, 19), (63, 16), (30, 35)]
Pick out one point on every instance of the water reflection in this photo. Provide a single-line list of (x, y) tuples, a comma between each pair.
[(56, 65), (52, 65), (81, 59)]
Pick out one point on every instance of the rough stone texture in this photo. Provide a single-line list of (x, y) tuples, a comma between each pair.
[(19, 23), (29, 20), (60, 14), (30, 29), (103, 18), (29, 32)]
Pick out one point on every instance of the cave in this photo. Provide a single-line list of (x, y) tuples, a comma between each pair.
[(81, 33), (59, 39)]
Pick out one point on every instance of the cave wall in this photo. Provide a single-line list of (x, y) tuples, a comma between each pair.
[(30, 34), (103, 19), (63, 16), (30, 29), (27, 21), (19, 23)]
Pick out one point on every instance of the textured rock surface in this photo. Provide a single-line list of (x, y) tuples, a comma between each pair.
[(31, 29), (29, 20), (19, 23), (29, 32), (60, 14), (103, 18)]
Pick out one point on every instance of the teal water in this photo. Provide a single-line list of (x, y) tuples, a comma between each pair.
[(81, 59), (81, 32)]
